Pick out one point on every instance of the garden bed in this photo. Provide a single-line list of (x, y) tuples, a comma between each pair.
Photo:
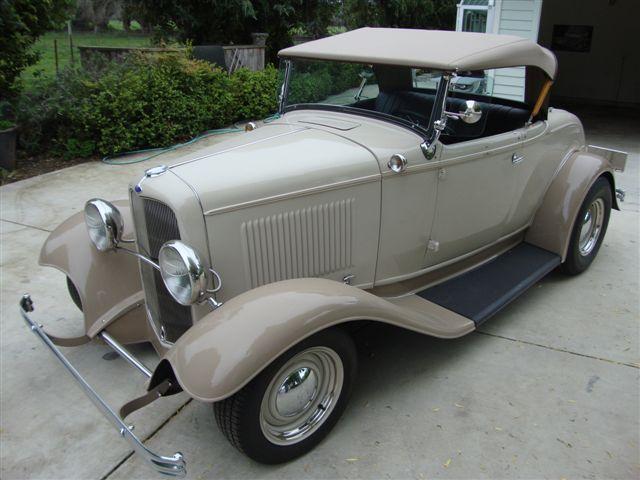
[(38, 165)]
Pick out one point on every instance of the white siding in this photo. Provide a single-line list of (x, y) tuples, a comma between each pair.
[(521, 18)]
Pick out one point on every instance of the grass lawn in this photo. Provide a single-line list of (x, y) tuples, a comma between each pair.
[(47, 65)]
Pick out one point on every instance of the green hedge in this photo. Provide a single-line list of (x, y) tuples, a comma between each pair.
[(314, 81), (145, 102)]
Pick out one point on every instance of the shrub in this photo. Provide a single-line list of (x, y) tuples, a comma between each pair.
[(314, 81), (144, 102), (254, 93)]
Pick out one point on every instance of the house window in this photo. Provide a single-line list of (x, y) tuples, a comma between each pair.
[(473, 16), (474, 21)]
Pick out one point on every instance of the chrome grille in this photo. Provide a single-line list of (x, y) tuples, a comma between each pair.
[(156, 224)]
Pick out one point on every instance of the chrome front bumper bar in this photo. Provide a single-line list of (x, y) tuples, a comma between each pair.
[(174, 465)]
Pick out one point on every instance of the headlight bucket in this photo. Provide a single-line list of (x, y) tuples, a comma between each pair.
[(183, 272), (104, 224)]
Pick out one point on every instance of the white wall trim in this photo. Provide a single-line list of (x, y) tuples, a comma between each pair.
[(537, 14)]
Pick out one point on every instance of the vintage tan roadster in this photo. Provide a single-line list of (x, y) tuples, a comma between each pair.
[(382, 193)]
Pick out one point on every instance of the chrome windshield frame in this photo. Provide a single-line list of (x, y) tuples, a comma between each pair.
[(284, 89)]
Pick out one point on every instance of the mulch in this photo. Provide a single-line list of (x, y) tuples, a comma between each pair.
[(32, 166)]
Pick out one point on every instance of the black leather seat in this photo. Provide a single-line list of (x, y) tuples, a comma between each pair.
[(416, 107)]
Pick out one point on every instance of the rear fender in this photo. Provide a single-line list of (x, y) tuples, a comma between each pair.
[(108, 283), (228, 347), (554, 220)]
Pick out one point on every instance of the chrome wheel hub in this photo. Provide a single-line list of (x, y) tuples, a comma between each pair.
[(591, 227), (301, 396)]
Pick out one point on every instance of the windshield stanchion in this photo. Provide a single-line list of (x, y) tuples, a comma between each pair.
[(284, 89), (438, 120)]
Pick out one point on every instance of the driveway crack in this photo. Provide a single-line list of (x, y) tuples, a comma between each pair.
[(25, 225), (555, 349)]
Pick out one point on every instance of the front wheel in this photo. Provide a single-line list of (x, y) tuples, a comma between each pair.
[(589, 228), (288, 408)]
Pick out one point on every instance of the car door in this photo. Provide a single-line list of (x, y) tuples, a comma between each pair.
[(407, 206), (477, 186)]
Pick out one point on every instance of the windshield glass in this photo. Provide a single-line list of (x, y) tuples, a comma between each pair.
[(408, 96), (374, 90), (331, 83)]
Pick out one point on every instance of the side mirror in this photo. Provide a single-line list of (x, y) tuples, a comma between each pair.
[(471, 114)]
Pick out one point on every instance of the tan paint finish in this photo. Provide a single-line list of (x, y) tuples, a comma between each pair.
[(108, 283), (475, 191), (132, 327), (442, 272), (407, 200), (552, 224), (441, 50), (306, 160), (232, 344), (318, 182)]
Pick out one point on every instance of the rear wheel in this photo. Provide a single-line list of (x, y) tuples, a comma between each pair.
[(589, 229), (288, 408)]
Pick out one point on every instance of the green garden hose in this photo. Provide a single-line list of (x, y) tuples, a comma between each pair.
[(113, 159)]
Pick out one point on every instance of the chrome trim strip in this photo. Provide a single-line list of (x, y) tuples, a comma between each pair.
[(295, 194), (124, 353), (159, 335), (174, 465), (213, 154), (139, 256)]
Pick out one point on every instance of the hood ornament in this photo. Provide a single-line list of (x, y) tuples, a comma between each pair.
[(151, 172)]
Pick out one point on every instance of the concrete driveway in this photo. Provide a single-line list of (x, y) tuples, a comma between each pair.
[(548, 388)]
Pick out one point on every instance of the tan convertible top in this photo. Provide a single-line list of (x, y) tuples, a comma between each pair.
[(440, 50)]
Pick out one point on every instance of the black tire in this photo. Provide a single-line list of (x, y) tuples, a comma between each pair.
[(73, 292), (239, 417), (577, 261)]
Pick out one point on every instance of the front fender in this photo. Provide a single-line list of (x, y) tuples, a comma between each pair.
[(554, 220), (108, 282), (227, 348)]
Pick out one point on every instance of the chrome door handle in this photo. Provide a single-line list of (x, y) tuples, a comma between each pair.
[(515, 158)]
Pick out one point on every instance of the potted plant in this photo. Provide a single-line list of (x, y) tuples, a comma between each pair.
[(259, 38), (8, 137)]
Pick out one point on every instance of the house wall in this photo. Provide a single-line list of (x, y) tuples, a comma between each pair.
[(609, 72), (520, 18), (510, 17)]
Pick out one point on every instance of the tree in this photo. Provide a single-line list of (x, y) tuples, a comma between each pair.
[(21, 23), (429, 14), (95, 14), (232, 21)]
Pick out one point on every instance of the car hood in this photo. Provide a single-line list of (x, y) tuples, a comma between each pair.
[(273, 162)]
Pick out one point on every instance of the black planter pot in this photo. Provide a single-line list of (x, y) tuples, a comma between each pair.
[(8, 139)]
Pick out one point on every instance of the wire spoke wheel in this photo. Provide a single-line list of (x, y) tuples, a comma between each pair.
[(301, 395)]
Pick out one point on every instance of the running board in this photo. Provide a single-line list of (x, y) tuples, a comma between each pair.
[(481, 293)]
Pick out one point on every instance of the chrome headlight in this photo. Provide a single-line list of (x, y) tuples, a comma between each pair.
[(104, 224), (183, 272)]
